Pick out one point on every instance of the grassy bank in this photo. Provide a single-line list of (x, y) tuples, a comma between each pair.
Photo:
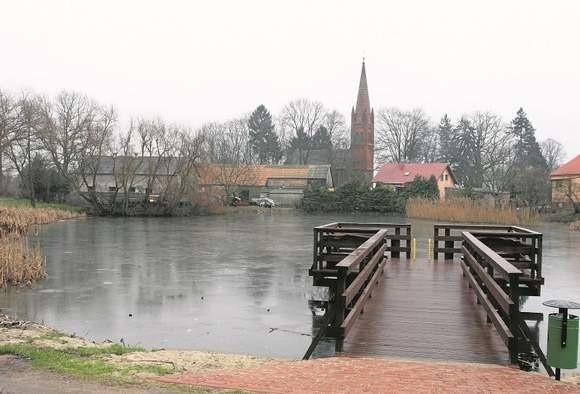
[(468, 211), (21, 260), (106, 362)]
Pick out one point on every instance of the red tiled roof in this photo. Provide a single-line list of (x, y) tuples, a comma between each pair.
[(257, 175), (401, 173), (570, 168)]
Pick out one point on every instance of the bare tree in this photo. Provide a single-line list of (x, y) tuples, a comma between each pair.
[(8, 128), (302, 118), (335, 124), (399, 134), (492, 145), (99, 147), (553, 152), (25, 142), (66, 129), (230, 153)]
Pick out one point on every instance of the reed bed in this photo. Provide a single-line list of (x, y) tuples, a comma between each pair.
[(469, 211), (21, 260)]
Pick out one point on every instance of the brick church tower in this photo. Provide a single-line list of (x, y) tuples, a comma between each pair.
[(362, 133)]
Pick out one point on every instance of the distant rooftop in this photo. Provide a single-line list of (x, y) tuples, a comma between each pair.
[(401, 173), (568, 169)]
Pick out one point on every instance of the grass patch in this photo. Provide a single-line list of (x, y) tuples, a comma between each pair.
[(84, 362)]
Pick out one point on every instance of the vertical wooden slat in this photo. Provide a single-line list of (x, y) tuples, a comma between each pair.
[(448, 245)]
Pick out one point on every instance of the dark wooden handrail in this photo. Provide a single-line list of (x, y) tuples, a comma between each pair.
[(353, 289), (501, 303), (357, 256), (490, 256)]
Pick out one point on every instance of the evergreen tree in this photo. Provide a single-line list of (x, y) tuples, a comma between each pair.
[(321, 139), (461, 148), (445, 131), (302, 144), (529, 181), (263, 139), (527, 149)]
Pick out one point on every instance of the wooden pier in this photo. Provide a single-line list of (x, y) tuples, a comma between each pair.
[(465, 307), (424, 309)]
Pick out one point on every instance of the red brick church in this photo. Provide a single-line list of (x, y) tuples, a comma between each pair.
[(356, 163), (362, 132)]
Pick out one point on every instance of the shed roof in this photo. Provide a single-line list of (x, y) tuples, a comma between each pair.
[(568, 169), (258, 175), (109, 165), (401, 173)]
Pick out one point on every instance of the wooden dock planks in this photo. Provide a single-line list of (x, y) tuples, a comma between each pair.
[(424, 309)]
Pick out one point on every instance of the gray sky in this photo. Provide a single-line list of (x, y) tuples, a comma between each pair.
[(193, 61)]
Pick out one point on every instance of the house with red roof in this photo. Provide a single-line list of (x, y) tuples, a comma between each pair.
[(565, 182), (397, 175)]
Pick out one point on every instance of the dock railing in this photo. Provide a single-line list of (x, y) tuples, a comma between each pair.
[(334, 241), (349, 259), (496, 283), (520, 246)]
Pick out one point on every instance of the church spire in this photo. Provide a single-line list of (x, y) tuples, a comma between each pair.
[(362, 102)]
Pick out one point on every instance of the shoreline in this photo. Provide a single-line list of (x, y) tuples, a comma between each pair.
[(60, 352)]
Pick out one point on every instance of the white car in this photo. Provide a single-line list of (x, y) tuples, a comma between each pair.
[(263, 202)]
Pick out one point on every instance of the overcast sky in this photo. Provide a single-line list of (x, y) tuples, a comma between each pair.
[(192, 61)]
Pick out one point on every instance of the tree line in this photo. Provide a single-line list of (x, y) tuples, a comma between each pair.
[(484, 151), (57, 145)]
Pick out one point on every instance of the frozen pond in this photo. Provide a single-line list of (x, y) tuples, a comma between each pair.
[(229, 283)]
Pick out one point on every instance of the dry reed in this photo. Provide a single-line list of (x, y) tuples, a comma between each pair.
[(469, 211), (575, 226), (21, 262)]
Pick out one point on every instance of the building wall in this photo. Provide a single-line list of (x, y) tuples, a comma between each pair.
[(560, 187), (103, 183), (444, 181)]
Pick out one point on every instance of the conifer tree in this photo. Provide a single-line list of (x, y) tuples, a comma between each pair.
[(529, 181), (263, 139)]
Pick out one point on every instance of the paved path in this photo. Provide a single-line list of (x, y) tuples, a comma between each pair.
[(370, 375)]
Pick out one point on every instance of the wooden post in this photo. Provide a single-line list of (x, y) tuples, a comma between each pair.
[(448, 244), (396, 245), (315, 260), (339, 304), (514, 317), (435, 242), (539, 258)]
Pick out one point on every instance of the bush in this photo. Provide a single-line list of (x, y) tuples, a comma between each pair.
[(355, 197)]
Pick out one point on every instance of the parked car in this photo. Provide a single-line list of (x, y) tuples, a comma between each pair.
[(263, 202)]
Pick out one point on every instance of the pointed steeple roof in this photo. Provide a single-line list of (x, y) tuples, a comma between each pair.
[(363, 103)]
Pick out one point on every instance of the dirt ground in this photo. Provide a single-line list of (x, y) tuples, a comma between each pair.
[(18, 377)]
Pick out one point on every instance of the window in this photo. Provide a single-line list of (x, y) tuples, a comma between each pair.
[(132, 190), (149, 190), (441, 177), (113, 188), (446, 176)]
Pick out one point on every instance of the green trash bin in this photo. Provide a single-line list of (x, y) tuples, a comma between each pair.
[(558, 356)]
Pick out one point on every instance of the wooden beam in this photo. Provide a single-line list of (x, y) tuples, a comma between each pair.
[(353, 289), (359, 305), (500, 296), (495, 318)]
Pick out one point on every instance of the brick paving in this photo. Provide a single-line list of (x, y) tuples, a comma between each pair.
[(370, 375)]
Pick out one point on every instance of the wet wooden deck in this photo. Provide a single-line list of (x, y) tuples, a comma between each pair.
[(425, 309)]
